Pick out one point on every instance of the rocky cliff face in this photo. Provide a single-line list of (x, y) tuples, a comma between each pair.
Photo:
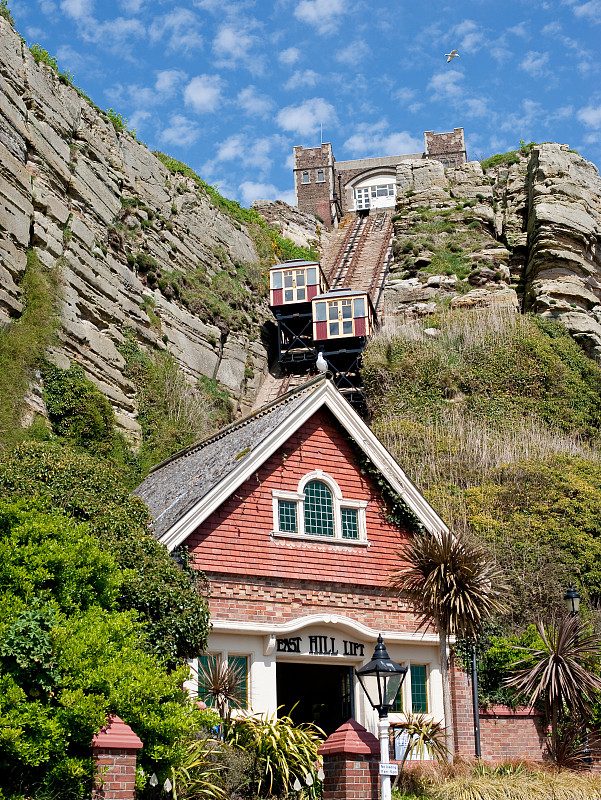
[(106, 213), (524, 234)]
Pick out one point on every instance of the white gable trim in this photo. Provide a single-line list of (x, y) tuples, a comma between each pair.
[(323, 394)]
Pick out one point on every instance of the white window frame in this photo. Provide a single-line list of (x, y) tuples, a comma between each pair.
[(304, 175), (321, 177), (338, 502)]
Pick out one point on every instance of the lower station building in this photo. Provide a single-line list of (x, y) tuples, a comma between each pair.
[(328, 188), (284, 512)]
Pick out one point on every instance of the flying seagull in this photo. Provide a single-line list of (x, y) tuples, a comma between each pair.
[(450, 56)]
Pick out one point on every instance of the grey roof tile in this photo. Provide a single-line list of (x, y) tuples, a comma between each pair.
[(173, 487)]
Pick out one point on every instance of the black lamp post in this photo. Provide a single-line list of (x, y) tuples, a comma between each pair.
[(572, 601), (381, 679)]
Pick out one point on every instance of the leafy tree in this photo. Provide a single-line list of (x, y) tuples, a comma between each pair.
[(69, 656), (165, 593), (561, 672), (451, 581)]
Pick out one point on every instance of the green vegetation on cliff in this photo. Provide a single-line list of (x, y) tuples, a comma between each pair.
[(496, 417), (23, 344)]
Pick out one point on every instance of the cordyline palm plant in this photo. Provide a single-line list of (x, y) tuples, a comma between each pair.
[(450, 580), (560, 673), (222, 685)]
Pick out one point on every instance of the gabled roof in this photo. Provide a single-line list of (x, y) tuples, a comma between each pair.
[(186, 488)]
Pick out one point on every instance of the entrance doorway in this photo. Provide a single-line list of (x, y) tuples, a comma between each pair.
[(323, 694)]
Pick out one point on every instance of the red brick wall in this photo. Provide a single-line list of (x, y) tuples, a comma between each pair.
[(504, 734), (117, 771), (236, 539), (350, 777)]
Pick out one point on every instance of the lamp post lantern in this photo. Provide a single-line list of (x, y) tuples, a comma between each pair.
[(381, 679), (572, 601)]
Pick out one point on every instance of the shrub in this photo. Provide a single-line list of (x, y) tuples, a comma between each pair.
[(5, 12), (119, 122), (282, 752), (68, 657)]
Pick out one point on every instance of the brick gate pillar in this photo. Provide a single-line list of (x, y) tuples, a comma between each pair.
[(115, 749), (351, 756)]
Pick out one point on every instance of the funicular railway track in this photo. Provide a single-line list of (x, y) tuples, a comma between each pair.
[(356, 264)]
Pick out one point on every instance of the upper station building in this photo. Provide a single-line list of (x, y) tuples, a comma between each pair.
[(284, 512), (329, 188)]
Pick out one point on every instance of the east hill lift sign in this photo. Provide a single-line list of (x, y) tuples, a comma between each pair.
[(320, 646)]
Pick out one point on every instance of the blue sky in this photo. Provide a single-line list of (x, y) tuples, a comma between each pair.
[(230, 86)]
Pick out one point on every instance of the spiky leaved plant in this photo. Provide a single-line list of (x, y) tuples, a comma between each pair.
[(451, 581), (222, 685), (560, 672)]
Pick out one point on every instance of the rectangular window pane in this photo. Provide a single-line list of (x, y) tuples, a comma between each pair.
[(373, 191), (288, 278), (334, 329), (288, 295), (359, 307), (350, 523), (276, 280), (347, 327), (419, 695), (300, 277), (300, 294), (240, 663), (346, 309), (311, 276), (397, 706), (206, 664), (287, 516), (319, 516), (333, 311), (320, 312), (305, 177)]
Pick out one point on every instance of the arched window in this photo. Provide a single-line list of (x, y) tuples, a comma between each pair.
[(319, 509)]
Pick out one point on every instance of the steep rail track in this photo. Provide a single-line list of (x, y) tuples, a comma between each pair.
[(357, 257)]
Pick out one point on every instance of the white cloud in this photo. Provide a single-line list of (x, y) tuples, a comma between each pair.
[(552, 29), (47, 6), (322, 14), (445, 85), (132, 6), (181, 27), (289, 56), (138, 118), (535, 63), (371, 139), (203, 93), (353, 53), (477, 107), (233, 44), (304, 119), (168, 81), (590, 10), (254, 103), (300, 78), (591, 116), (470, 34), (404, 94), (519, 30), (251, 191), (181, 131), (78, 9), (69, 59)]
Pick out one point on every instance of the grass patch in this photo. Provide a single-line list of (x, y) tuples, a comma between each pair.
[(23, 344)]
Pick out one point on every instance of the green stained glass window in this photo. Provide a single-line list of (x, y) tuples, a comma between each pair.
[(240, 663), (319, 514), (350, 523), (287, 516), (208, 664), (419, 694), (397, 706)]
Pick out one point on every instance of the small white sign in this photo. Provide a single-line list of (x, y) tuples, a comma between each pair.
[(389, 769)]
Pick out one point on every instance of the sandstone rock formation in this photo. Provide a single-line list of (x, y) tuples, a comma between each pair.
[(299, 227), (530, 229), (89, 199)]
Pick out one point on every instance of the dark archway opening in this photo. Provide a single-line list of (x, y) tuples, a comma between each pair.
[(317, 693)]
